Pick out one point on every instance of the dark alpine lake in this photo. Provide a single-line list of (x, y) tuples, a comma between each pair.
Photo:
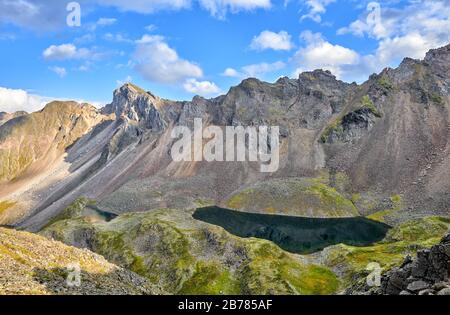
[(295, 234)]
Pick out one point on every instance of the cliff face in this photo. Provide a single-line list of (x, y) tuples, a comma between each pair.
[(382, 146)]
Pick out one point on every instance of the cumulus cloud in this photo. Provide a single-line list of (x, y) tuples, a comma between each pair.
[(409, 31), (60, 71), (321, 54), (65, 52), (203, 88), (19, 100), (272, 40), (316, 9), (157, 62), (232, 73)]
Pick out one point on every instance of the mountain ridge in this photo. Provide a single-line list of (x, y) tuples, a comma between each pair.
[(346, 136)]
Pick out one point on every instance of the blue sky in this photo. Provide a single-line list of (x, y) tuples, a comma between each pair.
[(180, 48)]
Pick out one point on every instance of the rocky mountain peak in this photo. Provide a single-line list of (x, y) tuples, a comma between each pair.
[(135, 104)]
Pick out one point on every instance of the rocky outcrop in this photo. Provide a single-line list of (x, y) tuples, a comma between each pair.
[(426, 274), (32, 264), (133, 103)]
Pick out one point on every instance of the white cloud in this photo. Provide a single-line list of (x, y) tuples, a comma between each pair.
[(202, 88), (316, 9), (146, 6), (157, 62), (106, 21), (86, 38), (60, 71), (150, 39), (219, 8), (128, 79), (150, 28), (19, 100), (272, 40), (408, 31), (259, 69), (424, 17), (7, 36), (33, 14), (71, 52), (65, 51), (50, 15), (120, 38), (232, 73), (321, 54)]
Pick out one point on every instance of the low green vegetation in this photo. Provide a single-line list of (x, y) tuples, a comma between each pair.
[(367, 103), (75, 210), (437, 99), (295, 196), (185, 256), (402, 240), (335, 127), (385, 82), (383, 215), (181, 255)]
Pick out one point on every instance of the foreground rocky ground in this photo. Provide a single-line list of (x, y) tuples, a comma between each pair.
[(426, 274), (32, 264), (167, 251)]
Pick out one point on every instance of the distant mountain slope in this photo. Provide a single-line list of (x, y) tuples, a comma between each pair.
[(32, 264), (33, 145), (4, 117), (382, 145)]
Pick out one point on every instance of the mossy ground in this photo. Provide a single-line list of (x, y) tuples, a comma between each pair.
[(185, 256), (298, 197), (404, 239), (181, 255), (397, 204)]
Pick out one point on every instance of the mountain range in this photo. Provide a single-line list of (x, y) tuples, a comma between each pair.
[(103, 179)]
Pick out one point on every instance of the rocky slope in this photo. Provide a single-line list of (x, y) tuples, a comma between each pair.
[(32, 264), (33, 152)]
